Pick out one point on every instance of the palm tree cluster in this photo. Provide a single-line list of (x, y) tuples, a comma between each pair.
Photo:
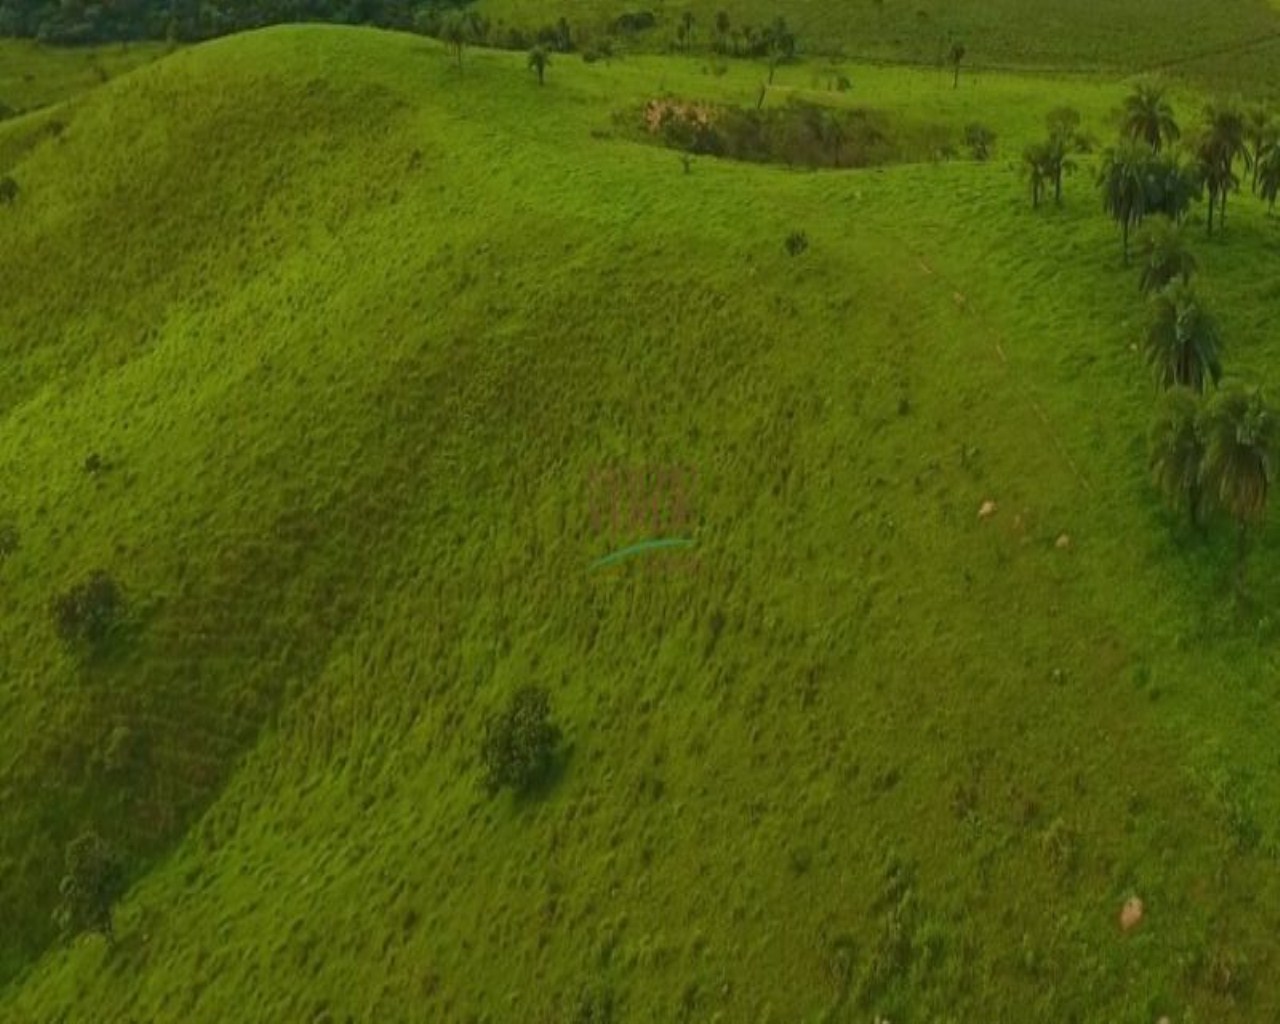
[(1208, 450), (1147, 172), (1045, 163)]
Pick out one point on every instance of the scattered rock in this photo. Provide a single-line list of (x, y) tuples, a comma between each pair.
[(988, 510), (1131, 913), (1062, 543)]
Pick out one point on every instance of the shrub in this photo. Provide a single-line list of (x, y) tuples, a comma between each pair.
[(90, 888), (636, 22), (8, 190), (88, 612), (519, 742), (979, 138), (797, 242), (8, 540)]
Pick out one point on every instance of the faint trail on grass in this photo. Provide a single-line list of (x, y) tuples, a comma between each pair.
[(968, 308)]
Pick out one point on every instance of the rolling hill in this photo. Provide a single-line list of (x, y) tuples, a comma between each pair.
[(316, 343)]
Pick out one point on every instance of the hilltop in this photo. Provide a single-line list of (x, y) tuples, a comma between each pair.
[(315, 341)]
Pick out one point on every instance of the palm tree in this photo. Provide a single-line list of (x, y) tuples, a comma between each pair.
[(722, 27), (1148, 117), (1034, 165), (1173, 184), (1269, 175), (456, 32), (538, 61), (781, 43), (1260, 133), (1176, 450), (1181, 342), (1123, 180), (1165, 256), (1240, 445), (956, 55), (1221, 141)]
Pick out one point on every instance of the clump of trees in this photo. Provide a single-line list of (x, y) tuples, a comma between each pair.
[(90, 888), (1047, 163), (797, 133), (1148, 172), (519, 742), (1211, 445)]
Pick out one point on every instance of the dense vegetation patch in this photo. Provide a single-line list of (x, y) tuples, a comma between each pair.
[(798, 133)]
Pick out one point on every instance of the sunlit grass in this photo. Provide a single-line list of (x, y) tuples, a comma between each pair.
[(353, 330)]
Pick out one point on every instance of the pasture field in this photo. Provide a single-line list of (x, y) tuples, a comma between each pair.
[(350, 330)]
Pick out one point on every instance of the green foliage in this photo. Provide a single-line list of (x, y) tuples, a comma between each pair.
[(1176, 450), (1148, 117), (1220, 142), (1165, 257), (1181, 343), (519, 742), (1268, 168), (1123, 177), (8, 191), (93, 882), (1240, 430), (86, 615), (797, 242), (8, 539), (800, 133), (979, 138), (538, 61)]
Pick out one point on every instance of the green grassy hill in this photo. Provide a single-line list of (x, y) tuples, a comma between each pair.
[(351, 330)]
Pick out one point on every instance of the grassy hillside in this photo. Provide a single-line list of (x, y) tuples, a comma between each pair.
[(352, 330), (1201, 40), (34, 76)]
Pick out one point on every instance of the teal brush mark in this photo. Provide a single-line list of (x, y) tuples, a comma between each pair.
[(644, 545)]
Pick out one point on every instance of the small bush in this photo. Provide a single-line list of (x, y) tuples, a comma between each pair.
[(87, 613), (797, 242), (979, 138), (519, 742), (8, 190), (93, 883), (8, 540)]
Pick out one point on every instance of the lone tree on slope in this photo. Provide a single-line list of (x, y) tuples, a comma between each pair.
[(455, 31), (956, 55), (93, 883), (538, 61)]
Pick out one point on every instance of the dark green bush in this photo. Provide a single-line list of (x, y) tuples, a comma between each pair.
[(519, 742), (8, 540), (8, 190), (88, 612), (979, 138), (797, 242), (93, 883)]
